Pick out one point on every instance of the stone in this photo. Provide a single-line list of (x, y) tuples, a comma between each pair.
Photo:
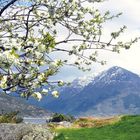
[(25, 132)]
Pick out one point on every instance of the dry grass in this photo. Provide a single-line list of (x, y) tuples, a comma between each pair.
[(94, 122), (88, 122)]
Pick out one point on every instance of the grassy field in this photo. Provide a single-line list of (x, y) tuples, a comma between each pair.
[(128, 128)]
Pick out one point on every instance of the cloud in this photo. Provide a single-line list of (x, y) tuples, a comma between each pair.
[(129, 8), (127, 59)]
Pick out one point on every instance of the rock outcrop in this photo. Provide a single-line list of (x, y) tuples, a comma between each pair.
[(25, 132)]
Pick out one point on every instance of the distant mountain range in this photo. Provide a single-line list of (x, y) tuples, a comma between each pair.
[(112, 92), (9, 103)]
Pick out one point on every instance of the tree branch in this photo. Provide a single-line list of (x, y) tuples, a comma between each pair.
[(84, 40), (6, 6)]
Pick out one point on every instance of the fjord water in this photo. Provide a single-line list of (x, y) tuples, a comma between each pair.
[(32, 120)]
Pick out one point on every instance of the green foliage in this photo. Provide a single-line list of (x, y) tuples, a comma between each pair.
[(126, 129), (128, 117), (11, 117), (30, 38), (59, 137), (61, 117)]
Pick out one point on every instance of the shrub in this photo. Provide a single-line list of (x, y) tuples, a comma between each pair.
[(11, 117), (61, 117)]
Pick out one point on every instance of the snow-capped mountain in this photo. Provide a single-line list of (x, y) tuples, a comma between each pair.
[(114, 74), (114, 91)]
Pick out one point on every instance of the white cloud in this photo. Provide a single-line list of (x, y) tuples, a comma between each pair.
[(128, 59)]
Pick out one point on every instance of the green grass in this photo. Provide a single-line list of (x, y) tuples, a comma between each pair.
[(126, 129)]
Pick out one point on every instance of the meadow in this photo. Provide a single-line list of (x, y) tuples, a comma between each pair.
[(128, 128)]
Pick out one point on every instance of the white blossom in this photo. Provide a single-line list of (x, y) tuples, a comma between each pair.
[(38, 54), (61, 83), (37, 95), (45, 91), (3, 82), (42, 48), (55, 94), (41, 77)]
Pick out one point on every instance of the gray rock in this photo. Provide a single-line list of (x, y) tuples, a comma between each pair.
[(65, 124), (25, 132)]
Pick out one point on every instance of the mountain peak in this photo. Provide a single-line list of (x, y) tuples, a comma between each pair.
[(120, 71), (116, 70), (112, 74), (115, 74)]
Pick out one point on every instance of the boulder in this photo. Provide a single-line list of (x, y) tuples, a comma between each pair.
[(25, 132)]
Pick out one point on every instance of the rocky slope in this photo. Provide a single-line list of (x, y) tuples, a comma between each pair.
[(9, 103)]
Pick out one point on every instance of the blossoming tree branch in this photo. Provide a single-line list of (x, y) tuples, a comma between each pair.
[(32, 32)]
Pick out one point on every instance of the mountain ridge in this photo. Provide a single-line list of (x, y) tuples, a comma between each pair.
[(112, 92)]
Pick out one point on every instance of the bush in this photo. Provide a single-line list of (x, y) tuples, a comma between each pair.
[(61, 117), (11, 117)]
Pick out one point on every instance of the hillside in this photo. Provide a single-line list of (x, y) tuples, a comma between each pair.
[(126, 129), (114, 91), (8, 104)]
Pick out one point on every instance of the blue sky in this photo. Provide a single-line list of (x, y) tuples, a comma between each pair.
[(128, 59)]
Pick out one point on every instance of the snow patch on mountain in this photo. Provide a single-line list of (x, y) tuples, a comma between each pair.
[(106, 77), (113, 74), (84, 81)]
